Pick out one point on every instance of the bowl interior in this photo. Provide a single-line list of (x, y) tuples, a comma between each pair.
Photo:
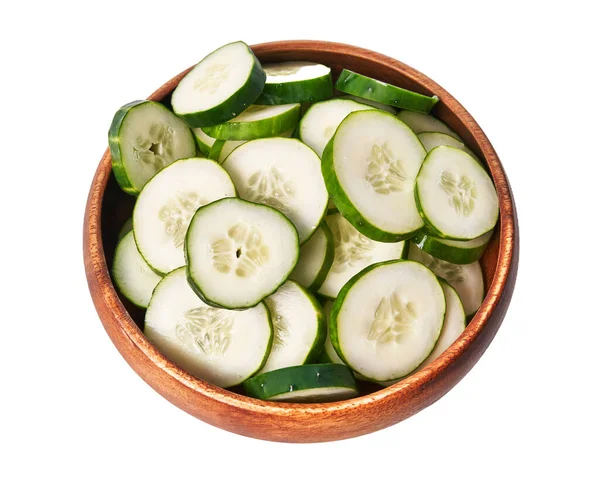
[(118, 206)]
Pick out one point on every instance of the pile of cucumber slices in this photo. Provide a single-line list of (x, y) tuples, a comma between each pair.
[(292, 235)]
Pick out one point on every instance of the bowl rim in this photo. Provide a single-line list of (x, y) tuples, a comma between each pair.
[(97, 270)]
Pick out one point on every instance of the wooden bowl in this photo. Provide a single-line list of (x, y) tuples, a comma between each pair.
[(107, 208)]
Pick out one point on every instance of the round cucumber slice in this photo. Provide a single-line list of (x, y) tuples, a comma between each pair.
[(467, 279), (455, 196), (204, 142), (419, 122), (284, 174), (221, 86), (308, 383), (322, 120), (431, 140), (145, 137), (127, 226), (220, 346), (454, 323), (387, 319), (165, 206), (257, 122), (292, 82), (133, 277), (222, 148), (369, 167), (316, 258), (328, 351), (354, 83), (457, 252), (238, 252), (298, 326), (353, 252), (372, 103)]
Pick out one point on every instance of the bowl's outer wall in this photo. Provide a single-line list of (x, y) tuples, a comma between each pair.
[(108, 207)]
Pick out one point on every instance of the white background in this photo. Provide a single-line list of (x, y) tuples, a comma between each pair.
[(71, 408)]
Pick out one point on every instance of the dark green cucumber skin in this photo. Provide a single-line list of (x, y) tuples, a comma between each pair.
[(365, 87), (328, 262), (192, 282), (455, 255), (114, 145), (345, 206), (202, 148), (298, 378), (234, 105), (310, 90), (255, 130)]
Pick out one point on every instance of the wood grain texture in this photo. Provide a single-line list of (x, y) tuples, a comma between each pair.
[(108, 207)]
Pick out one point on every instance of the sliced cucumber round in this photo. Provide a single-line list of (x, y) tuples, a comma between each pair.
[(362, 86), (125, 228), (316, 258), (354, 252), (455, 196), (298, 326), (387, 319), (145, 137), (322, 120), (165, 206), (284, 174), (221, 86), (291, 82), (257, 122), (306, 384), (238, 252), (467, 279), (220, 346), (419, 122), (329, 354), (369, 167), (454, 323), (372, 103), (133, 277), (203, 141), (431, 140), (222, 148), (456, 252)]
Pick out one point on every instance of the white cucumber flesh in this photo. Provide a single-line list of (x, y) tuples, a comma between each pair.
[(431, 140), (387, 319), (298, 327), (133, 276), (284, 174), (165, 206), (372, 103), (220, 346), (420, 122), (239, 252), (316, 258), (296, 81)]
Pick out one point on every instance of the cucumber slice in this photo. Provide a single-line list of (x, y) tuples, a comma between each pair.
[(133, 277), (369, 167), (238, 252), (322, 120), (298, 326), (222, 148), (457, 252), (165, 206), (220, 346), (222, 85), (454, 323), (257, 122), (316, 258), (305, 384), (467, 279), (354, 252), (431, 140), (145, 137), (387, 319), (127, 226), (203, 141), (372, 103), (455, 196), (329, 354), (331, 208), (419, 122), (284, 174), (291, 82), (354, 83)]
